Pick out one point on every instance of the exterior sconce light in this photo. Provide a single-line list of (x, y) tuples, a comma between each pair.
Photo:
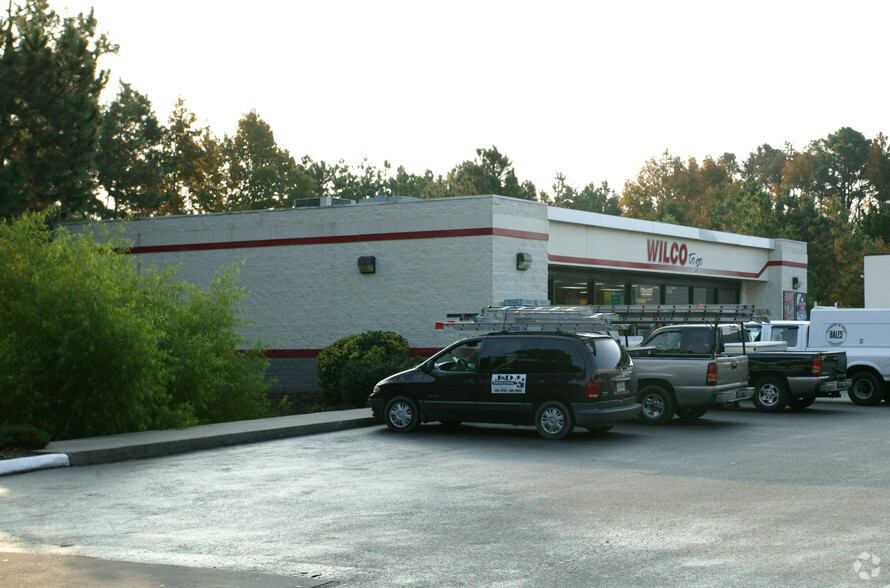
[(795, 283), (523, 261), (367, 264)]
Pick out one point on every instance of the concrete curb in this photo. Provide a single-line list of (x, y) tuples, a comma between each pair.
[(36, 462), (112, 448)]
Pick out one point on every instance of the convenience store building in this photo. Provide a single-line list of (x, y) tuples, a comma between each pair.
[(333, 268)]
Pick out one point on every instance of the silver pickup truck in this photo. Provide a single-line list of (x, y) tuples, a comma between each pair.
[(686, 384)]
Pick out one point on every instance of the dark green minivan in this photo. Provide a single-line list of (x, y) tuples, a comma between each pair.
[(553, 381)]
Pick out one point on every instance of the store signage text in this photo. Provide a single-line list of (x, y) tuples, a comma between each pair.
[(673, 253)]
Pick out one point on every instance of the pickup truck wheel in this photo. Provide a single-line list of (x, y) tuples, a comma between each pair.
[(401, 414), (865, 389), (658, 405), (801, 403), (770, 394), (689, 414), (554, 420)]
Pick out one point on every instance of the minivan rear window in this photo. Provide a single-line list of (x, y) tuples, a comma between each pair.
[(609, 353)]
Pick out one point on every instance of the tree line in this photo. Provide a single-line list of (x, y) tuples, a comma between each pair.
[(61, 149)]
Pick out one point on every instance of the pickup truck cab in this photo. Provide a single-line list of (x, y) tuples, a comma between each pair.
[(863, 333), (679, 374), (780, 378)]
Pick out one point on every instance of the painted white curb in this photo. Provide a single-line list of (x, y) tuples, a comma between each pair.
[(37, 462)]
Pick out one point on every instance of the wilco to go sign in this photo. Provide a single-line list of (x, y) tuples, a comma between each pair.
[(673, 253)]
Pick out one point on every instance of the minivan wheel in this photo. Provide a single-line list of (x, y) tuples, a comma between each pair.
[(401, 414), (658, 405), (865, 389), (554, 420), (770, 394)]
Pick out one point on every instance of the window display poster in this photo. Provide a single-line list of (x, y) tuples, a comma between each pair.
[(800, 302), (794, 306)]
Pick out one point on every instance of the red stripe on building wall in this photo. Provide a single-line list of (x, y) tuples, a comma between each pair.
[(672, 268), (297, 241)]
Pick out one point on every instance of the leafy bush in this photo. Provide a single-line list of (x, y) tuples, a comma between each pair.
[(207, 380), (89, 346), (24, 436), (358, 376), (340, 364)]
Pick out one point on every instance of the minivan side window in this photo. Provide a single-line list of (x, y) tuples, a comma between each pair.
[(508, 355), (558, 356)]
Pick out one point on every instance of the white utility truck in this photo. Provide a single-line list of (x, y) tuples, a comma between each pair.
[(864, 333)]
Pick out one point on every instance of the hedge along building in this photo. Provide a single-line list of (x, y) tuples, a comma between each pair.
[(319, 273)]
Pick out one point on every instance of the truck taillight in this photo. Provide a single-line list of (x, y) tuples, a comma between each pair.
[(593, 389), (712, 374), (817, 365)]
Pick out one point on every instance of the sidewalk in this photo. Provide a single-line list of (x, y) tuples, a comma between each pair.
[(96, 450)]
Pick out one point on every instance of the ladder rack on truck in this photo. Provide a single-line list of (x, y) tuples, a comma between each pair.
[(534, 318), (599, 318), (682, 313)]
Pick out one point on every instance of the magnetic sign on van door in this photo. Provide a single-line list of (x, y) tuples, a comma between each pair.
[(508, 383), (836, 334)]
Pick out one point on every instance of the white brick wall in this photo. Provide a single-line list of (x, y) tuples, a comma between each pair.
[(306, 296), (305, 289)]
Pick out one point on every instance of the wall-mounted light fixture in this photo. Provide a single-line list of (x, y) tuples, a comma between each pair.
[(795, 282), (523, 261), (367, 264)]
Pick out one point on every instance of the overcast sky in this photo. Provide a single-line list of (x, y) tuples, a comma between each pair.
[(592, 89)]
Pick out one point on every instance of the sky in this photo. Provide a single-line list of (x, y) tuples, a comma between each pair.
[(590, 89)]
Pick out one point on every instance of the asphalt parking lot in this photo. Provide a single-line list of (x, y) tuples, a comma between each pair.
[(738, 498)]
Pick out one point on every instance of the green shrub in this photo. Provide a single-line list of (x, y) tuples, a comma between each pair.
[(208, 382), (378, 348), (24, 436), (358, 376), (78, 354), (89, 346)]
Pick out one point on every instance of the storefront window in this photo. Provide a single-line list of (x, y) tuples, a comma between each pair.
[(610, 293), (727, 296), (569, 292), (702, 295), (676, 294), (646, 294)]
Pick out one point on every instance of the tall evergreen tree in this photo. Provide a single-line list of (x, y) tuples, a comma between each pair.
[(49, 110), (194, 162), (130, 160), (259, 174)]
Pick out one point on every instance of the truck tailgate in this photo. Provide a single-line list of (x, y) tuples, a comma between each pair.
[(731, 371), (834, 364)]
